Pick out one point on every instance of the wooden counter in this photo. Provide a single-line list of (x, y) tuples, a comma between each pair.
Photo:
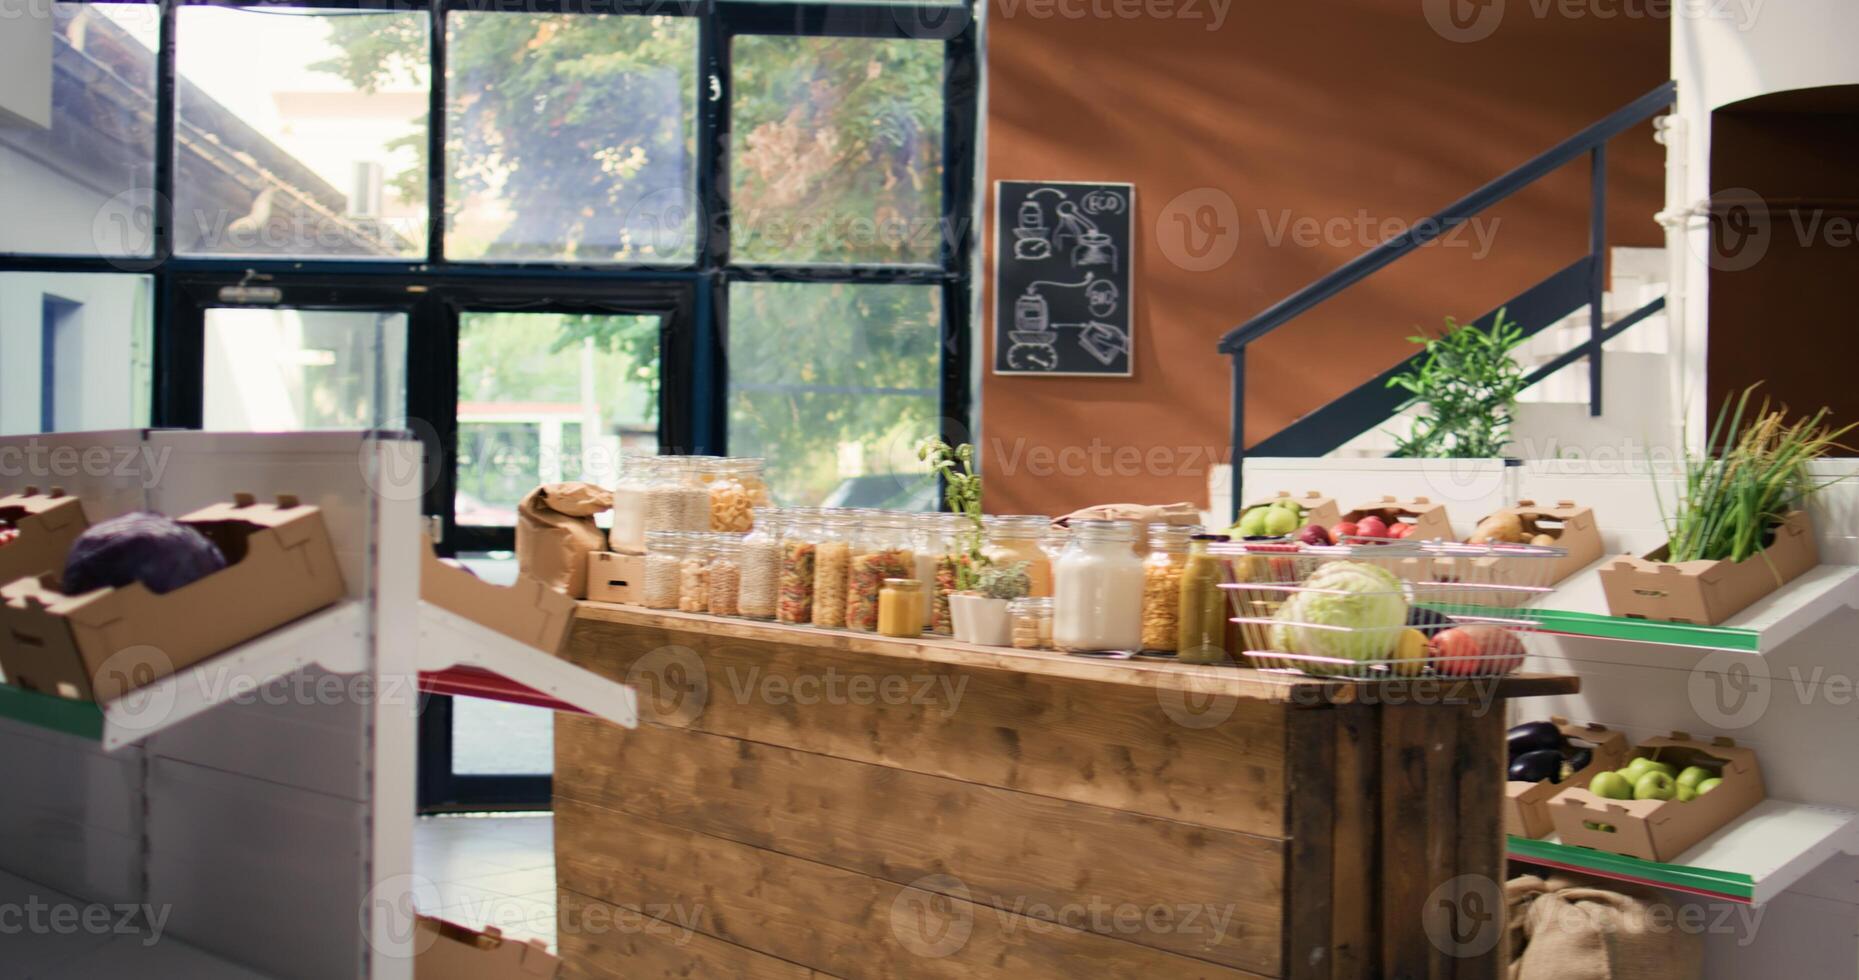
[(814, 803)]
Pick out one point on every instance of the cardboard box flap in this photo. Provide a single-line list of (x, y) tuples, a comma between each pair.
[(449, 951), (526, 611), (287, 516), (53, 511), (1318, 507), (47, 525)]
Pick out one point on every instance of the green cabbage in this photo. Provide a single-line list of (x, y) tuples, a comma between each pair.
[(1366, 599)]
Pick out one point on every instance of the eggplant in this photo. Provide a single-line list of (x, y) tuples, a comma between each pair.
[(1427, 621), (1532, 736), (1534, 767), (1580, 758)]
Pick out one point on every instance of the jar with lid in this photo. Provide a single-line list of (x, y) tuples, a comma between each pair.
[(832, 556), (725, 573), (694, 573), (664, 555), (694, 473), (736, 488), (800, 540), (1168, 552), (1097, 601), (627, 536), (880, 550), (957, 534), (928, 543), (900, 607), (759, 589), (1202, 637), (1032, 622), (1022, 538)]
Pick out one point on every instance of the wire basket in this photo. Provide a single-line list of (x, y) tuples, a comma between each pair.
[(1382, 611)]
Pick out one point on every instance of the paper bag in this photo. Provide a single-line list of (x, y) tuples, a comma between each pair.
[(1143, 515), (1570, 928), (555, 532)]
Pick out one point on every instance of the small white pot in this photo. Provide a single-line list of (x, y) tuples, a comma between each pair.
[(981, 620)]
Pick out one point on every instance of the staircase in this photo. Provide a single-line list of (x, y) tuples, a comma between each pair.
[(1571, 317)]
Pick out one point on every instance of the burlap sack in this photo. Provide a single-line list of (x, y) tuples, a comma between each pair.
[(555, 532), (1143, 514), (1575, 928)]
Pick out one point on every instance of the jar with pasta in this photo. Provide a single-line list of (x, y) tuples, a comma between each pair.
[(759, 590), (881, 549), (736, 488), (664, 556), (630, 499), (927, 543), (831, 556), (1168, 552), (1021, 538), (1202, 636), (800, 542), (952, 555), (694, 573), (725, 573)]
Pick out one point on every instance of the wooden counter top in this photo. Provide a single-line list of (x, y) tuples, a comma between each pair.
[(1204, 681)]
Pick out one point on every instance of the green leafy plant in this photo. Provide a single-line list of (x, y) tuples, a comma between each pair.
[(962, 490), (1005, 582), (1469, 384), (1751, 474)]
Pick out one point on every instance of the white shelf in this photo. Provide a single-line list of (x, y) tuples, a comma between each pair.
[(449, 640), (1754, 858), (1760, 629), (48, 954), (333, 638)]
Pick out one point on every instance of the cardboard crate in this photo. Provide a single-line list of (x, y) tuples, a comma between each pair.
[(1661, 830), (1318, 509), (613, 577), (1706, 593), (1519, 579), (1428, 518), (47, 523), (527, 611), (448, 951), (1526, 805), (100, 645)]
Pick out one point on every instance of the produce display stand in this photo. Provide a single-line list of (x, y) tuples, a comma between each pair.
[(844, 803), (265, 797)]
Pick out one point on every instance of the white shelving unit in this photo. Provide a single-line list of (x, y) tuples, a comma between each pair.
[(448, 640)]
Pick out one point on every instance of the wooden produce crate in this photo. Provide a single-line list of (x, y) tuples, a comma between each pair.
[(1318, 508), (832, 804), (1526, 805), (525, 611), (1706, 593), (1429, 519), (1661, 830)]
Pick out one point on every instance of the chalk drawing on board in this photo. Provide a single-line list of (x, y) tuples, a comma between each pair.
[(1032, 237), (1102, 340), (1088, 245), (1063, 252)]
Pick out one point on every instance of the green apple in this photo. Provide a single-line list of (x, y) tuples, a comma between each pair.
[(1693, 775), (1643, 764), (1686, 794), (1280, 521), (1252, 522), (1709, 784), (1655, 786), (1611, 786), (1603, 827)]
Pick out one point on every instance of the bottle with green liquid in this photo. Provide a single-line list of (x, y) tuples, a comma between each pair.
[(1202, 638)]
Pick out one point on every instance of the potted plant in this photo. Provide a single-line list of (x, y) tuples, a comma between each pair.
[(1468, 382), (981, 613), (1739, 529), (959, 571)]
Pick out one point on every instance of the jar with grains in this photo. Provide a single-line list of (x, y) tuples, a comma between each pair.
[(800, 542), (927, 543), (1032, 622), (1098, 589), (696, 473), (725, 573), (627, 536), (881, 549), (1022, 538), (694, 573), (952, 554), (832, 556), (1168, 552), (736, 489), (664, 555), (760, 587), (1202, 636), (900, 608)]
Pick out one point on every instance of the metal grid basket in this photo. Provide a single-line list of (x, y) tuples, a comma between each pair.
[(1386, 610)]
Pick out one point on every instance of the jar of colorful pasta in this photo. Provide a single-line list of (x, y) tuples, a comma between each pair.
[(881, 549), (800, 542)]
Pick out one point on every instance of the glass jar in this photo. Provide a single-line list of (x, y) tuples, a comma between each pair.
[(664, 553), (663, 488), (1032, 622), (1022, 538), (1202, 637), (832, 554), (1168, 552), (958, 532), (1097, 582), (928, 542), (759, 590), (800, 539), (881, 549), (725, 573), (900, 607), (627, 535), (694, 573), (736, 488), (694, 473)]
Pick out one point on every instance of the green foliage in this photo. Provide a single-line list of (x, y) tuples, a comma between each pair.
[(1011, 582), (962, 489), (1469, 383)]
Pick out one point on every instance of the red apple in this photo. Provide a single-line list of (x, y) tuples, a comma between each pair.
[(1400, 529), (1479, 649), (1372, 527), (1344, 529), (1315, 535)]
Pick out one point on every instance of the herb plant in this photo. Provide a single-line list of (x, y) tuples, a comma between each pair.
[(962, 490), (1469, 384), (1009, 582)]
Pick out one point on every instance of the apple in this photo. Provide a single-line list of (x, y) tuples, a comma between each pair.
[(1686, 794), (1606, 828), (1372, 527), (1655, 785), (1344, 529), (1280, 521), (1400, 529), (1693, 775), (1709, 784), (1314, 535), (1611, 786), (1642, 764), (1478, 650)]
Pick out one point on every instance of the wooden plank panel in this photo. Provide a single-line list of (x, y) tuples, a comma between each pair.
[(831, 920), (1441, 741), (1216, 895), (1353, 895), (1311, 741), (1405, 952), (1479, 900), (599, 941), (1113, 745)]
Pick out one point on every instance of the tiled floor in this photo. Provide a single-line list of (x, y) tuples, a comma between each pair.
[(496, 870)]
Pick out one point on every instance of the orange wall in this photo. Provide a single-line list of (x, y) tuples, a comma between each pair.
[(1309, 112)]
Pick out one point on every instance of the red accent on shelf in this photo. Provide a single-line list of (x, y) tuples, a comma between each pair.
[(472, 682), (1665, 886)]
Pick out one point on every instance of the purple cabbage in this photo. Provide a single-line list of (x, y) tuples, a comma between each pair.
[(161, 553)]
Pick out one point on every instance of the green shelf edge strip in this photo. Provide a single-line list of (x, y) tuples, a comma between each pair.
[(80, 718), (1621, 628), (1731, 883)]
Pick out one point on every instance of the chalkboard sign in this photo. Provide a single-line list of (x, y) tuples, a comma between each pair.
[(1062, 254)]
